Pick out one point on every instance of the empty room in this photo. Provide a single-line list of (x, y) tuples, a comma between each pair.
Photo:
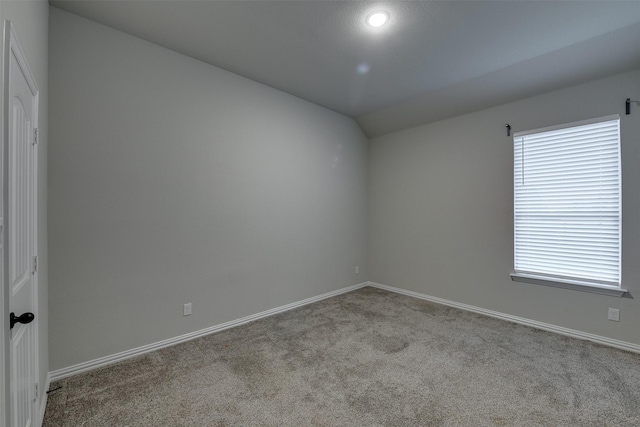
[(320, 213)]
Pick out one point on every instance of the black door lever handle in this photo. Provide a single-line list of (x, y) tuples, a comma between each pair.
[(24, 319)]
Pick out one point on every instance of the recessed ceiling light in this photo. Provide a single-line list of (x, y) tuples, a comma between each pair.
[(377, 19)]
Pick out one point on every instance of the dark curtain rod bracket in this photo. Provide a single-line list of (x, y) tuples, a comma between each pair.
[(508, 126), (628, 105)]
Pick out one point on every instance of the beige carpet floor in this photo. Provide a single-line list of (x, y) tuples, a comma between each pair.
[(366, 358)]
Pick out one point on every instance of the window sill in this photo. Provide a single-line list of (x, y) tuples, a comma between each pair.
[(569, 284)]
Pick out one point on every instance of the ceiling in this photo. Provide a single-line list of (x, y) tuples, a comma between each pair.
[(434, 59)]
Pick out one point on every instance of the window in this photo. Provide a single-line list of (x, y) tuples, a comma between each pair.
[(567, 206)]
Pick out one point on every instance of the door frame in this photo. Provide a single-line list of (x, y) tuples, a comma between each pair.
[(11, 46), (4, 290)]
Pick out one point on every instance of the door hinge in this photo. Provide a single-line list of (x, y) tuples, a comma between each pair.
[(35, 136), (37, 390), (35, 264)]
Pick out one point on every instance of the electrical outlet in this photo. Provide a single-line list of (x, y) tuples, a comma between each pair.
[(187, 309), (357, 270), (614, 314)]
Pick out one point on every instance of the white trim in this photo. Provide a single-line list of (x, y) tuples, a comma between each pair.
[(623, 345), (114, 358), (59, 374), (4, 288), (576, 285), (43, 400), (568, 125)]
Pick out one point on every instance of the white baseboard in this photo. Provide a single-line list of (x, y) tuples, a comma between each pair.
[(114, 358), (43, 400), (624, 345), (108, 360)]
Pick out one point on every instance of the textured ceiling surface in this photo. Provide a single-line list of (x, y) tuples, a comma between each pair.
[(434, 59)]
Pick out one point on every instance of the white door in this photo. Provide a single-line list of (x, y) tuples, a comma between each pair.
[(20, 210)]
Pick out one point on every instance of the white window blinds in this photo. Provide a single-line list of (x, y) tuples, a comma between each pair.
[(567, 187)]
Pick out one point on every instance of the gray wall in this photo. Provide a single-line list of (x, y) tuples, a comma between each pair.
[(172, 181), (30, 20), (441, 209)]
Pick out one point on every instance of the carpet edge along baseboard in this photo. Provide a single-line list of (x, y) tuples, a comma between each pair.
[(138, 351), (574, 333), (59, 374)]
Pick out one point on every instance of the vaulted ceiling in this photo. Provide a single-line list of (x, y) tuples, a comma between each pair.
[(432, 60)]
